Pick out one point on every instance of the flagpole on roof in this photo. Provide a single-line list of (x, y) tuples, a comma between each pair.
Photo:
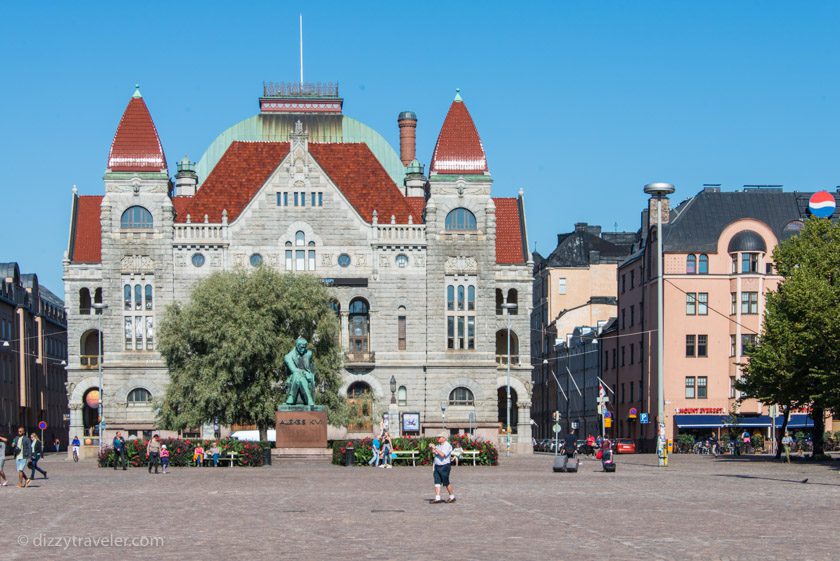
[(301, 51)]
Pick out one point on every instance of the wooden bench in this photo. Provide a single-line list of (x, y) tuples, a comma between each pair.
[(468, 454), (405, 455)]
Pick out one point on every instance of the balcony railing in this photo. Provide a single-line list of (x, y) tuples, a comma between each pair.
[(405, 233), (89, 361), (502, 360), (199, 232), (360, 359)]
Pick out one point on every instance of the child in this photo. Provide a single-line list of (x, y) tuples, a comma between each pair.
[(198, 455), (164, 457)]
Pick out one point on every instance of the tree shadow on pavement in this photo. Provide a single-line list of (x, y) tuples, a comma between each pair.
[(779, 479)]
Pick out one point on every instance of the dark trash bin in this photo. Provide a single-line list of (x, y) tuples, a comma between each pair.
[(349, 456), (267, 456)]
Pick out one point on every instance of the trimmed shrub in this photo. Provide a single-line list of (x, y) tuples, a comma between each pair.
[(181, 451), (488, 455)]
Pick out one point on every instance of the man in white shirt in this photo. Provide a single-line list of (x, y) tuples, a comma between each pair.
[(443, 463)]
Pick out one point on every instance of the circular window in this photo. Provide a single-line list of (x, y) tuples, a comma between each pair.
[(256, 260), (402, 260), (344, 260), (197, 259)]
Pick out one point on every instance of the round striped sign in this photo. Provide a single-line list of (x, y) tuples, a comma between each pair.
[(822, 204)]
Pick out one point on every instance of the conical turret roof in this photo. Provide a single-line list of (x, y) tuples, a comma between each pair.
[(136, 145), (458, 149)]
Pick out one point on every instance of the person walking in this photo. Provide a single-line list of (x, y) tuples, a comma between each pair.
[(443, 465), (377, 452), (119, 451), (22, 451), (787, 442), (75, 444), (37, 454), (56, 444), (164, 458), (3, 441), (153, 453)]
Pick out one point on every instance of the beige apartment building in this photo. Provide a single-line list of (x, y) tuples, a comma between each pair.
[(574, 287), (718, 268)]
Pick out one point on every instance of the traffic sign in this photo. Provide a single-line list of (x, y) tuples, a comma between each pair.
[(607, 415), (822, 204), (643, 418), (42, 425), (556, 427), (607, 422), (633, 413)]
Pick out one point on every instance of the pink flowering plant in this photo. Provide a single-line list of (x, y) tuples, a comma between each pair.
[(181, 451), (488, 454)]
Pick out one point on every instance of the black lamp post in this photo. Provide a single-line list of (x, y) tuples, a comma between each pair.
[(393, 390)]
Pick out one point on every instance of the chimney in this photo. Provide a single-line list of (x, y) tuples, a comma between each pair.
[(186, 179), (666, 210), (407, 122)]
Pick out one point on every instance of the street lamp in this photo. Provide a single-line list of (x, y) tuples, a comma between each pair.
[(393, 383), (5, 343), (659, 191), (508, 309), (100, 308)]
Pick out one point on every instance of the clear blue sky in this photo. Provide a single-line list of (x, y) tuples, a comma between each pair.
[(579, 103)]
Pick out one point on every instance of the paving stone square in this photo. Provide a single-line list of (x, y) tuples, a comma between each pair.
[(698, 508)]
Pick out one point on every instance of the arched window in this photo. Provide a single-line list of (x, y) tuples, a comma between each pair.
[(357, 390), (460, 219), (500, 299), (402, 338), (97, 298), (691, 264), (84, 302), (336, 307), (703, 264), (289, 259), (139, 395), (300, 238), (136, 217), (513, 298), (359, 325), (311, 257), (502, 350), (402, 396), (89, 348), (138, 297), (461, 396), (127, 296), (149, 300)]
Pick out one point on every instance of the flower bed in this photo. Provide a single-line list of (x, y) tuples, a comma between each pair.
[(488, 455), (181, 451)]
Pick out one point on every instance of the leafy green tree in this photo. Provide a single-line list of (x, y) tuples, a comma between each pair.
[(797, 362), (225, 347)]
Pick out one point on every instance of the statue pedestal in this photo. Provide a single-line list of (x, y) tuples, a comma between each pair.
[(301, 435)]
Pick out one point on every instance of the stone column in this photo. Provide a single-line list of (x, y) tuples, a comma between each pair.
[(77, 426), (523, 429), (394, 420)]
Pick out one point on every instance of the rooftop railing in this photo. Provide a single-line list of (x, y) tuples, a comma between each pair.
[(296, 89)]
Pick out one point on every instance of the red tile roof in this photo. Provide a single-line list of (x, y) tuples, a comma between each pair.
[(458, 149), (241, 172), (87, 231), (363, 181), (418, 207), (509, 240), (136, 145)]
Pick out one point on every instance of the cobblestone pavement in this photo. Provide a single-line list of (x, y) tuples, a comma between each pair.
[(698, 508)]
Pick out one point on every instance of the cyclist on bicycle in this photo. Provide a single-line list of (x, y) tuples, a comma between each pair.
[(75, 444)]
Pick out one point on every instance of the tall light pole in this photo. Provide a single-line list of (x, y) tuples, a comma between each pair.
[(660, 191), (100, 308), (508, 308)]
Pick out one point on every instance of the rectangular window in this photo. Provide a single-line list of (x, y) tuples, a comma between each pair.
[(622, 393), (749, 262), (561, 284), (614, 359), (732, 387), (747, 343), (689, 387), (289, 266), (632, 355), (150, 333), (702, 345), (622, 355), (471, 332), (691, 303), (632, 279), (138, 333), (300, 260), (460, 313), (690, 342), (623, 317), (311, 260), (285, 198), (606, 359), (313, 198), (632, 318), (632, 384), (749, 303), (450, 332), (733, 307), (320, 198), (296, 198), (302, 198), (623, 284), (732, 349), (129, 334), (401, 333), (279, 199), (460, 332), (702, 303), (702, 387)]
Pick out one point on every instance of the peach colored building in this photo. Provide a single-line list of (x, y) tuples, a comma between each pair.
[(717, 270), (574, 287)]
